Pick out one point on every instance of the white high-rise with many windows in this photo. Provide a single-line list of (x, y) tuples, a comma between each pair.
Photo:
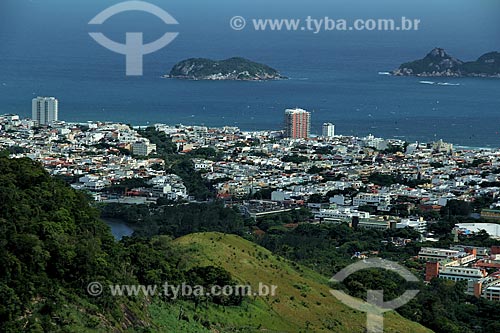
[(45, 110), (328, 130)]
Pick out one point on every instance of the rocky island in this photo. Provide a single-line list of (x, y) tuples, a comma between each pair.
[(438, 63), (237, 69)]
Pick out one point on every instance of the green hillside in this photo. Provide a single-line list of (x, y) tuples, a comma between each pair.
[(302, 302)]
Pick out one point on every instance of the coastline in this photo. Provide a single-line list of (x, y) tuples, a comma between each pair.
[(313, 135)]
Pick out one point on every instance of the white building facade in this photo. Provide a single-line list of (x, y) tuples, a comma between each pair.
[(328, 130), (143, 148), (45, 110)]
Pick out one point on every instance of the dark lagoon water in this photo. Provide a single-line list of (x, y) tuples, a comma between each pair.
[(45, 50), (119, 229)]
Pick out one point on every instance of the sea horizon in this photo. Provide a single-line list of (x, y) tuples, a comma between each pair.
[(334, 75)]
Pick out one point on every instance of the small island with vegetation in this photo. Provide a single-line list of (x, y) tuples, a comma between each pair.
[(438, 63), (236, 69)]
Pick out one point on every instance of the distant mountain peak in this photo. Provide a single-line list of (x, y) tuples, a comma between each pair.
[(439, 63), (438, 53)]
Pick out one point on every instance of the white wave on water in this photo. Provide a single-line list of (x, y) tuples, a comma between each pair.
[(488, 147), (384, 73), (439, 83)]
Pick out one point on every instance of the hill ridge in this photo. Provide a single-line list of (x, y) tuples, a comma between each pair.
[(303, 296)]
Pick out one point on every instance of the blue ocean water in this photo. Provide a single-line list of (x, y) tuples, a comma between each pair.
[(45, 50)]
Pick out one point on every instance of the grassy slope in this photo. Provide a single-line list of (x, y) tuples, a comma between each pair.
[(302, 298)]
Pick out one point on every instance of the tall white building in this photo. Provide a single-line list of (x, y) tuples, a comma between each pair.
[(45, 110), (328, 130)]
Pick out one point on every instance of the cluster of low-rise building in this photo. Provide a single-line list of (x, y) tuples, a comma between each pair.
[(92, 155), (479, 267), (425, 176)]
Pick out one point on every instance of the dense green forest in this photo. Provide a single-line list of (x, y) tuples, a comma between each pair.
[(178, 220), (53, 244)]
